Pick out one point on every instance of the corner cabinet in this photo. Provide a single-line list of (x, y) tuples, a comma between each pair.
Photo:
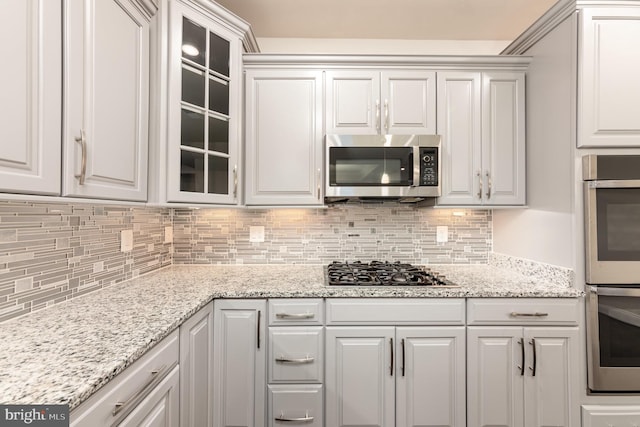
[(481, 117), (370, 102), (521, 363), (239, 363), (203, 119), (31, 87), (106, 102), (283, 137)]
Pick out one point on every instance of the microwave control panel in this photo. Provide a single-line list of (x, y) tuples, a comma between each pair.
[(428, 166)]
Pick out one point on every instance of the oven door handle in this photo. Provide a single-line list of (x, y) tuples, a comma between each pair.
[(614, 183), (615, 292)]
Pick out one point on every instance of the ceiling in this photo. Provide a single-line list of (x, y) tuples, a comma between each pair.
[(389, 19)]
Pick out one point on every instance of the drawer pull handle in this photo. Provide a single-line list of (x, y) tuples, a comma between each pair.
[(306, 359), (305, 419), (536, 314), (157, 375), (295, 315)]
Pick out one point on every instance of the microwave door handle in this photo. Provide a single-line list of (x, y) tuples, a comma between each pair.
[(416, 166)]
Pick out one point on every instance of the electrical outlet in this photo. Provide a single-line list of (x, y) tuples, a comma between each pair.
[(168, 234), (126, 240), (256, 233), (442, 234)]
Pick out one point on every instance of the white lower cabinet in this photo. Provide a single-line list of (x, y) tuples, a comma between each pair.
[(387, 375), (610, 415), (295, 404), (146, 393), (525, 374), (239, 363), (196, 369)]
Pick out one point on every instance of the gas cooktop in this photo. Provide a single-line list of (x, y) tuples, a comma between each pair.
[(383, 273)]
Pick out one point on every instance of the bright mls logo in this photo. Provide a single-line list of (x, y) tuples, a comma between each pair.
[(34, 415)]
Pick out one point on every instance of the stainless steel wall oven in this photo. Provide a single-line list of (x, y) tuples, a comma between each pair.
[(612, 240)]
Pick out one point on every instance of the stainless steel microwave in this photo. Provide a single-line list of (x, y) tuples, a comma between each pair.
[(402, 167), (612, 219)]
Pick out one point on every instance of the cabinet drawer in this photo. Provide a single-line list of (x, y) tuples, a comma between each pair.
[(523, 311), (398, 311), (132, 385), (295, 404), (295, 312), (295, 354), (610, 415)]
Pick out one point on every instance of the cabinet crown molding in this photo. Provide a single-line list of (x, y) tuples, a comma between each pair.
[(489, 62)]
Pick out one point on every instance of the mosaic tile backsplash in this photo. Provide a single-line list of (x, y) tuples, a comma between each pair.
[(51, 252), (317, 236)]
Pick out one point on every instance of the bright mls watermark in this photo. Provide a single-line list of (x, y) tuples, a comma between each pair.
[(34, 415)]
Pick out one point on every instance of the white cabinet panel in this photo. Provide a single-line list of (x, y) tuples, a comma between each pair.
[(353, 102), (106, 99), (408, 102), (239, 363), (295, 404), (610, 415), (30, 105), (296, 354), (609, 88), (430, 377), (284, 137), (359, 377), (196, 369)]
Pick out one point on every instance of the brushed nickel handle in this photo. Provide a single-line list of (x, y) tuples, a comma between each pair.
[(536, 314), (258, 328), (479, 175), (391, 346), (386, 115), (298, 361), (378, 115), (403, 357), (521, 342), (305, 419), (488, 185), (535, 358), (319, 182), (156, 376), (82, 140), (295, 315), (235, 181)]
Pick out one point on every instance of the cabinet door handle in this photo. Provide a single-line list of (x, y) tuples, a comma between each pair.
[(536, 314), (378, 115), (319, 182), (391, 346), (479, 175), (157, 375), (258, 329), (535, 359), (305, 419), (402, 345), (521, 342), (300, 361), (386, 115), (295, 315), (82, 140), (488, 185), (235, 181)]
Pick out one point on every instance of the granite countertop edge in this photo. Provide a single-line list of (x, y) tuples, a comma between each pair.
[(67, 352)]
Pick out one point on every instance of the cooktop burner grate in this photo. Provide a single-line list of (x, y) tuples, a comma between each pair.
[(383, 273)]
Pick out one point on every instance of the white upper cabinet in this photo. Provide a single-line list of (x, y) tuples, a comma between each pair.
[(283, 137), (106, 99), (481, 120), (30, 105), (204, 116), (371, 102), (608, 70)]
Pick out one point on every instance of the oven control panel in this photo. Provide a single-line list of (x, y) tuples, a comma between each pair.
[(428, 166)]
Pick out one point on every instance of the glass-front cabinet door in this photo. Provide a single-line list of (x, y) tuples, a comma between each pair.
[(204, 89)]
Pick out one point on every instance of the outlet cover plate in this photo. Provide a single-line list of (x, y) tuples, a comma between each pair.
[(442, 234), (126, 240), (256, 233)]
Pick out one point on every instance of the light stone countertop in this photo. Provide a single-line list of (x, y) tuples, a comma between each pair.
[(63, 354)]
